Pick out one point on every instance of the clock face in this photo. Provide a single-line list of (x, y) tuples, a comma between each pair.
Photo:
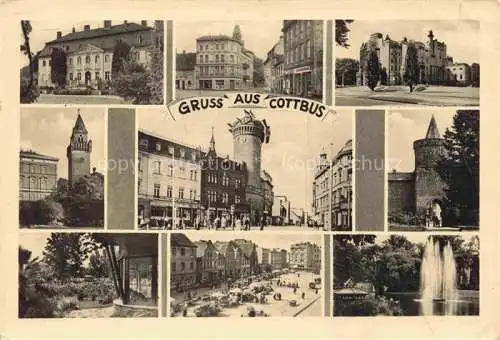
[(242, 140)]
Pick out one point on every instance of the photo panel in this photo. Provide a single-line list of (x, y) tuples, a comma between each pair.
[(254, 275), (92, 62), (407, 62), (62, 168), (433, 170), (413, 274), (88, 275), (223, 170)]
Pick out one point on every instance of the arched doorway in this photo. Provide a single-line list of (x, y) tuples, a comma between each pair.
[(87, 77)]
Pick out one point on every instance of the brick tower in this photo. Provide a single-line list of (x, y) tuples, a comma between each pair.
[(249, 134), (429, 187), (78, 152)]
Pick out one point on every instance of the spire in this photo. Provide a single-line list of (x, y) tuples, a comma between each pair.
[(79, 125), (432, 130), (212, 141)]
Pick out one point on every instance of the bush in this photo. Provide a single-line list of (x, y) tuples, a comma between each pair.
[(73, 91), (46, 211)]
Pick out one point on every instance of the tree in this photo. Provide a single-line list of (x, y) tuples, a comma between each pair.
[(346, 69), (121, 55), (411, 74), (258, 72), (155, 74), (132, 83), (29, 92), (383, 76), (459, 167), (58, 67), (64, 253), (373, 70), (341, 30), (97, 265), (237, 33)]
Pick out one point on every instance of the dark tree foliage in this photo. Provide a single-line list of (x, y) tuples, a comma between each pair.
[(64, 253), (373, 70), (133, 84), (58, 67), (411, 75), (121, 55), (341, 30), (28, 92), (345, 71), (155, 74), (383, 76), (459, 168)]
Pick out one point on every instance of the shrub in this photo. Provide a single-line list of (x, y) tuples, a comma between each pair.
[(420, 88)]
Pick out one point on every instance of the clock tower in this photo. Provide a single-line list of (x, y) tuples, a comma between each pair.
[(249, 134), (78, 152)]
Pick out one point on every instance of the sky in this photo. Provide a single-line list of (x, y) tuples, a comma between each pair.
[(406, 126), (45, 31), (461, 36), (282, 241), (296, 141), (48, 130), (259, 41), (34, 242)]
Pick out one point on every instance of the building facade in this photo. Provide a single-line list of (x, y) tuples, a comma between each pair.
[(169, 180), (413, 193), (249, 134), (267, 187), (303, 57), (273, 67), (459, 74), (223, 63), (305, 255), (37, 175), (78, 152), (209, 264), (89, 53), (281, 210), (234, 261), (249, 250), (185, 77), (182, 262)]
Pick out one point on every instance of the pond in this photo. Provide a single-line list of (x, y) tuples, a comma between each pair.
[(466, 303)]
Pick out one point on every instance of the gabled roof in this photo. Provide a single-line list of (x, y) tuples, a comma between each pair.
[(79, 125), (35, 155), (432, 130), (245, 246), (101, 32), (222, 246), (180, 240)]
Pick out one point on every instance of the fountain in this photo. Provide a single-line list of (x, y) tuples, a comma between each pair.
[(438, 278)]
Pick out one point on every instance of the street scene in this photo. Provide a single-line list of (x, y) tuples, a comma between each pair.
[(87, 275), (406, 275), (228, 56), (433, 178), (231, 174), (429, 63), (218, 275), (61, 168), (91, 62)]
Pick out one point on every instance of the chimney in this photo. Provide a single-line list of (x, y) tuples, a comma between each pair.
[(125, 22), (59, 35), (73, 30), (144, 23), (107, 23), (393, 171), (93, 170), (86, 28)]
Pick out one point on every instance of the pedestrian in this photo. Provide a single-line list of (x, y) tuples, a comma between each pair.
[(238, 224), (316, 291), (294, 290), (262, 221), (184, 312), (303, 295)]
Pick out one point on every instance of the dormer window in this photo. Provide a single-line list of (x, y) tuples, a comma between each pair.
[(183, 153), (158, 146)]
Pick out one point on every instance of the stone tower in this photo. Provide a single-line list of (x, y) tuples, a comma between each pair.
[(249, 134), (429, 187), (78, 152)]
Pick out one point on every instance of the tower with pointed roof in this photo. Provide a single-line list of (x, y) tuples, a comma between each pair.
[(429, 187), (78, 152)]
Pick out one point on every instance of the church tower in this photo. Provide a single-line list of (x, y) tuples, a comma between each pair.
[(78, 152), (249, 134), (429, 187)]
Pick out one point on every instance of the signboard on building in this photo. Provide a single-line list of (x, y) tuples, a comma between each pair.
[(303, 69)]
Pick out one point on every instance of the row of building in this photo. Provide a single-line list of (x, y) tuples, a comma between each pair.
[(208, 263), (435, 66), (183, 184), (332, 190), (38, 173), (89, 52)]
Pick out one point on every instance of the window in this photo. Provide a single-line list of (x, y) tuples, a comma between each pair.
[(137, 56), (201, 47), (194, 194), (139, 183), (183, 153), (171, 150), (206, 59), (193, 156), (43, 63), (70, 60), (139, 39), (216, 58), (158, 146), (106, 58), (182, 172), (237, 183), (212, 196), (225, 179), (190, 194), (97, 75), (71, 76), (169, 191), (181, 193), (174, 265), (225, 198), (232, 58), (183, 265), (201, 58), (87, 59), (156, 191), (222, 58), (157, 167), (237, 199), (191, 266), (183, 252), (107, 75), (170, 170), (79, 76), (96, 59)]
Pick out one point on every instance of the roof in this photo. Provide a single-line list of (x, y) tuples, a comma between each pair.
[(185, 61), (79, 125), (35, 155), (222, 246), (101, 32), (201, 246), (401, 176), (217, 38), (180, 240), (432, 130), (246, 246)]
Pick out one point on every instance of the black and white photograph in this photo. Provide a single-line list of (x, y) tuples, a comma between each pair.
[(406, 275), (282, 57), (92, 62), (410, 62), (220, 275), (88, 275), (61, 168), (245, 170), (433, 178)]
